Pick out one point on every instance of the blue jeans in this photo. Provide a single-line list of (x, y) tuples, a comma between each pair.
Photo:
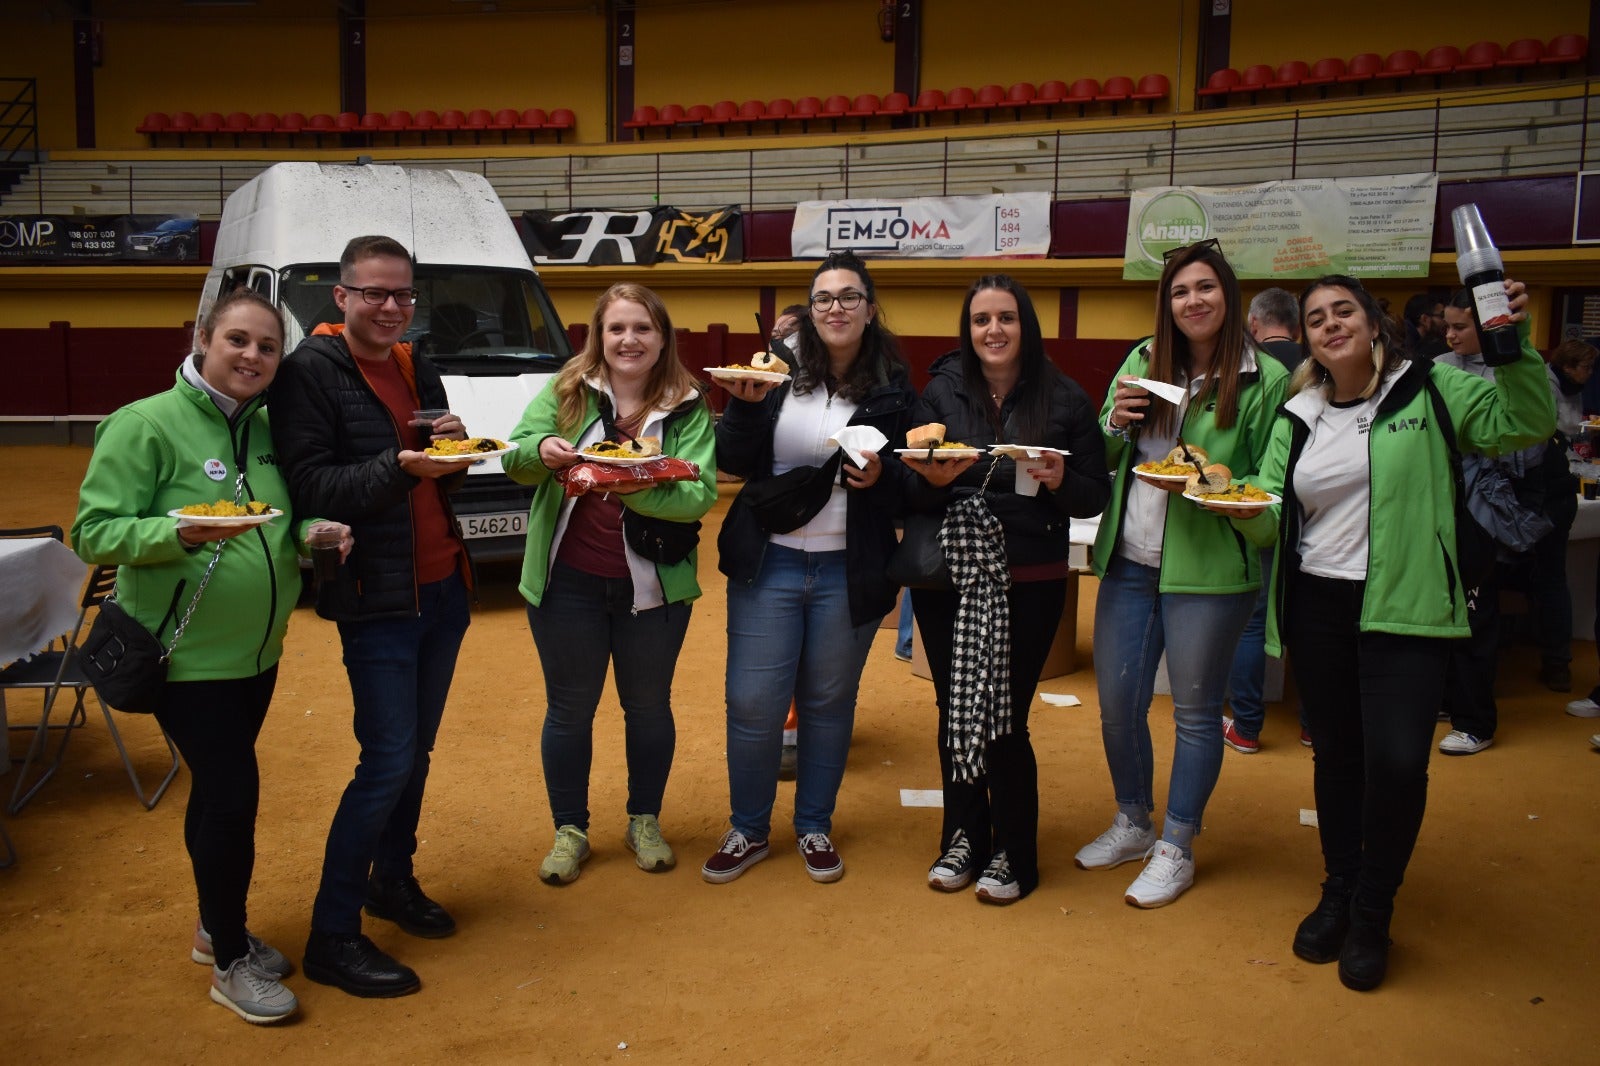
[(1133, 623), (789, 635), (583, 623), (902, 641), (400, 671), (1247, 680)]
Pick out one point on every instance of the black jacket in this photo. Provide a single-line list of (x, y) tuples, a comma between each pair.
[(1036, 527), (744, 448), (339, 449)]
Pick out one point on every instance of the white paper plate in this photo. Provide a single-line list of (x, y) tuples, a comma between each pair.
[(940, 453), (1238, 505), (473, 457), (618, 460), (1024, 451), (1161, 477), (728, 373), (220, 520)]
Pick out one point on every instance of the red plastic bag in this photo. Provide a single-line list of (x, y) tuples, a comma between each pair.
[(580, 478)]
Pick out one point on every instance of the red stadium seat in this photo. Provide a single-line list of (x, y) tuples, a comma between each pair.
[(1399, 65), (644, 116), (209, 123), (834, 108), (722, 113), (396, 121), (477, 122), (1479, 57), (780, 110), (1050, 94), (1440, 61), (236, 123), (805, 109), (450, 120), (865, 106), (1253, 79), (986, 99), (751, 112), (1569, 48), (532, 120), (505, 120), (291, 122), (958, 100), (1117, 90), (1289, 76), (156, 122), (1020, 97), (894, 105), (562, 120), (1522, 53), (372, 122), (1323, 73), (1361, 69), (264, 125), (184, 123), (696, 115), (928, 102), (669, 116), (319, 125), (1152, 87), (1082, 93), (1221, 83), (423, 121)]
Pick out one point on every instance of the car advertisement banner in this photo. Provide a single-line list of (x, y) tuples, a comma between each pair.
[(601, 237), (927, 227), (1379, 227), (83, 238)]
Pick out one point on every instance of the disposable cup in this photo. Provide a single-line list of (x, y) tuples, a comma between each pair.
[(1025, 483), (324, 543)]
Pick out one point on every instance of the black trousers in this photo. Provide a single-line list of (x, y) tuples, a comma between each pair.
[(1475, 663), (1000, 810), (215, 725), (1371, 700)]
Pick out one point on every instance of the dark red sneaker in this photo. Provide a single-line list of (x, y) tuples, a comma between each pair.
[(1236, 740), (822, 862), (1305, 737), (735, 854)]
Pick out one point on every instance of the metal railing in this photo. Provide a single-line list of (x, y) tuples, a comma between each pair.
[(1480, 139), (19, 129)]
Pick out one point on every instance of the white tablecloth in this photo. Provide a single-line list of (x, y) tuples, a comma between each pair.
[(41, 582)]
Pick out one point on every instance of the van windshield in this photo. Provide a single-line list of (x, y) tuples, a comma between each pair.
[(468, 320)]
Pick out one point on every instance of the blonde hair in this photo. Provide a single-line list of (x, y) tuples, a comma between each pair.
[(669, 379)]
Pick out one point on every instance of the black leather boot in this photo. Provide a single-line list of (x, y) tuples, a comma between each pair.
[(402, 901), (1365, 957), (1321, 934)]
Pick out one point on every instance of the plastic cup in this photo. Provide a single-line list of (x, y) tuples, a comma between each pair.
[(424, 421), (324, 542), (1025, 484)]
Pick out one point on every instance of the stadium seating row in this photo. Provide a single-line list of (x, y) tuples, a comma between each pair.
[(984, 103), (1444, 61), (265, 125)]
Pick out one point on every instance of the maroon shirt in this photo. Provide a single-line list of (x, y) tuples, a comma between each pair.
[(593, 540)]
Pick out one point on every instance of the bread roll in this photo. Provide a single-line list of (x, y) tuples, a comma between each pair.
[(1217, 478), (644, 447), (1176, 455), (765, 360), (928, 436)]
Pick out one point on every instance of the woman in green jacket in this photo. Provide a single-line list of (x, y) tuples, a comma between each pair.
[(207, 438), (593, 599), (1174, 577), (1367, 591)]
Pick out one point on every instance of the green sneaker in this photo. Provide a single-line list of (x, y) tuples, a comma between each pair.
[(571, 850), (644, 839)]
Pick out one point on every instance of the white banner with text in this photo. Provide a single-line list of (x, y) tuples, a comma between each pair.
[(928, 227)]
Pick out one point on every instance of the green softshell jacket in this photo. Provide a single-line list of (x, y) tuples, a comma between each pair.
[(1413, 584), (688, 437), (168, 451), (1202, 552)]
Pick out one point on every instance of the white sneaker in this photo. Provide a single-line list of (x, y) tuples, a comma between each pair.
[(1584, 708), (1456, 742), (268, 959), (1165, 877), (1123, 842), (256, 997), (1595, 740)]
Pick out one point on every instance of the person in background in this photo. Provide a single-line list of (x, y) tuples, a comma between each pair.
[(1000, 387), (591, 598), (804, 605), (1174, 576), (1274, 323), (1366, 591), (1425, 326), (208, 436), (1569, 369), (345, 402)]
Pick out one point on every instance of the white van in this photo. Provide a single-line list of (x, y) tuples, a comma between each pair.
[(482, 316)]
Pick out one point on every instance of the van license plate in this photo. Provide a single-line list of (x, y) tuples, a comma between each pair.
[(503, 524)]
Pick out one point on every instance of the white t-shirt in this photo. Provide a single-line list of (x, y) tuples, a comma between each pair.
[(800, 439), (1333, 484)]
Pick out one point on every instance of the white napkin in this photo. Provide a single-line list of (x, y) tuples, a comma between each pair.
[(1024, 451), (857, 441), (1059, 700), (1170, 393)]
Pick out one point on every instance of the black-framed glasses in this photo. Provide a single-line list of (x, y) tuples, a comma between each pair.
[(1210, 242), (378, 297), (849, 300)]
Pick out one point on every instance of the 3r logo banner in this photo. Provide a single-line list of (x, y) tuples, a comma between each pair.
[(604, 237)]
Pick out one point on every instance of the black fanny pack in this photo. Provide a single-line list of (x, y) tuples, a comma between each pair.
[(787, 501)]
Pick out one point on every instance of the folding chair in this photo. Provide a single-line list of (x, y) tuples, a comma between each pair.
[(54, 671)]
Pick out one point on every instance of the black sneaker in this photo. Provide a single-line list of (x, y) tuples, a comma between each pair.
[(402, 901), (998, 884), (952, 871)]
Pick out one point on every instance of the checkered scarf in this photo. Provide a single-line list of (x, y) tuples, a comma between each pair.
[(980, 670)]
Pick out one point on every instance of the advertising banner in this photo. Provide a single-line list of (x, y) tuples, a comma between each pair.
[(1366, 227), (928, 227), (602, 237), (85, 238)]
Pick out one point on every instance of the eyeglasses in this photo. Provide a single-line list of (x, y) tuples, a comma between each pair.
[(1210, 242), (849, 300), (378, 297)]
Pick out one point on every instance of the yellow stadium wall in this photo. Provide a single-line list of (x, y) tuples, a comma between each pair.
[(702, 53), (1268, 31), (43, 51), (493, 61)]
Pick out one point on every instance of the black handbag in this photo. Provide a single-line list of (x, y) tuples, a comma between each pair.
[(917, 562), (122, 660), (787, 501), (660, 540)]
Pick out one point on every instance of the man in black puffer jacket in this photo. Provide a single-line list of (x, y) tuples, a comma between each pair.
[(342, 409)]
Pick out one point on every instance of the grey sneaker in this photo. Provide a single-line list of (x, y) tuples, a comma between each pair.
[(256, 997), (571, 851), (643, 838), (1123, 842), (268, 959)]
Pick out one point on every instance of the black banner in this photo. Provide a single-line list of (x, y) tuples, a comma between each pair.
[(602, 237), (80, 238)]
